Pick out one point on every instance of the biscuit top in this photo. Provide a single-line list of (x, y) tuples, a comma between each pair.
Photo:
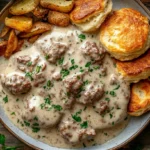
[(126, 30), (85, 9), (135, 67)]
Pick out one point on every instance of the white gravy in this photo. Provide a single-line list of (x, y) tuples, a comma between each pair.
[(107, 124)]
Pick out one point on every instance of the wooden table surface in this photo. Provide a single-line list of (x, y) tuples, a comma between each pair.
[(142, 142)]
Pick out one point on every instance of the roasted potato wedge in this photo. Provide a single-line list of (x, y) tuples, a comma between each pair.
[(58, 5), (58, 19), (12, 44), (38, 28), (20, 44), (3, 45), (4, 31), (33, 38), (20, 23), (21, 7), (40, 12)]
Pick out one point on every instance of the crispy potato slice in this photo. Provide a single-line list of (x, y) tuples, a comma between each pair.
[(38, 28), (58, 5), (21, 7), (3, 45), (4, 31), (20, 23), (33, 38), (58, 19), (20, 44), (40, 12), (12, 44)]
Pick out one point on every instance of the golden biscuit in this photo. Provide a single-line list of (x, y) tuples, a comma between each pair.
[(125, 34), (136, 70), (89, 15), (140, 98)]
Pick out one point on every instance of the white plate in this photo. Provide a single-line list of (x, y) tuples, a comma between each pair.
[(135, 126)]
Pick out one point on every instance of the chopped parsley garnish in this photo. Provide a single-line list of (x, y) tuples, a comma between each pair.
[(36, 118), (48, 83), (35, 124), (42, 105), (82, 36), (26, 123), (17, 99), (29, 63), (13, 113), (76, 117), (84, 145), (107, 99), (88, 64), (117, 87), (47, 101), (96, 67), (73, 67), (113, 123), (110, 116), (64, 72), (46, 57), (35, 129), (5, 99), (57, 107), (29, 75), (85, 82), (72, 61), (84, 125), (61, 61), (38, 69), (112, 93)]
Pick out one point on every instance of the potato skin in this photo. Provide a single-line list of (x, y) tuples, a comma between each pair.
[(58, 19), (20, 23), (3, 46), (40, 12)]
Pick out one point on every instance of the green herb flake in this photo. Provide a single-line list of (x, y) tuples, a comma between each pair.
[(46, 57), (64, 72), (96, 67), (112, 93), (17, 99), (117, 87), (13, 113), (36, 118), (113, 123), (35, 124), (29, 75), (35, 129), (38, 69), (77, 118), (57, 107), (29, 63), (26, 123), (88, 64), (2, 139), (84, 125), (42, 105), (107, 99), (85, 82), (110, 116), (73, 67), (84, 145), (5, 99), (82, 36), (48, 83), (61, 61), (72, 61), (47, 101)]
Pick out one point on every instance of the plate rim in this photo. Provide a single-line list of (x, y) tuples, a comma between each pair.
[(115, 147)]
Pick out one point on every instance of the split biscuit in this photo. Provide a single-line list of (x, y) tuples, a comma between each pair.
[(136, 70), (140, 98), (125, 34), (88, 15)]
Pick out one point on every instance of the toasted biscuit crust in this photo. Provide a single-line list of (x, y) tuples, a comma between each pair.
[(125, 34), (85, 9), (140, 98), (136, 70)]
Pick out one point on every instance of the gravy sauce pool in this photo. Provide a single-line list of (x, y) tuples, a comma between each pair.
[(71, 90)]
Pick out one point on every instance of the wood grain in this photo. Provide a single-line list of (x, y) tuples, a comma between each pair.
[(143, 139)]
